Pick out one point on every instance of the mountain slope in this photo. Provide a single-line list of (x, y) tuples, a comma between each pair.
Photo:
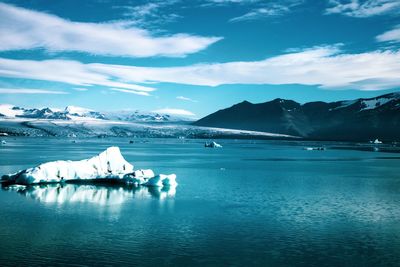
[(360, 119)]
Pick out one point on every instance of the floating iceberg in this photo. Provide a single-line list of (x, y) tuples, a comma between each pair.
[(212, 144), (315, 148), (108, 166)]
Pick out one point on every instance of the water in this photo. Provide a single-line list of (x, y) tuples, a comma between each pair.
[(251, 203)]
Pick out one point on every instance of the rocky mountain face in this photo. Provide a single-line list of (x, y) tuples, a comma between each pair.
[(360, 119)]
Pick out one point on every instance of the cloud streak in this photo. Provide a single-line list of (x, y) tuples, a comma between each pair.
[(152, 13), (183, 98), (130, 91), (64, 71), (174, 111), (325, 66), (30, 91), (266, 9), (263, 12), (23, 29), (365, 9), (390, 36)]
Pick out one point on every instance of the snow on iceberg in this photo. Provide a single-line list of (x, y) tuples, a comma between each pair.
[(212, 144), (109, 165)]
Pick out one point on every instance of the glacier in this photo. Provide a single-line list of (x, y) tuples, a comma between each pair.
[(108, 166)]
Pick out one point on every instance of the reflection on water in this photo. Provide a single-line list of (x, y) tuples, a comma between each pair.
[(99, 195)]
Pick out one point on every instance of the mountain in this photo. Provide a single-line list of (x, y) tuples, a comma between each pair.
[(360, 119), (140, 116), (69, 113), (79, 113), (81, 122)]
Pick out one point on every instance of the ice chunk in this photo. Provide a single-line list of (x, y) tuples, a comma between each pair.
[(212, 144), (139, 177), (315, 148), (105, 167), (162, 180), (108, 164)]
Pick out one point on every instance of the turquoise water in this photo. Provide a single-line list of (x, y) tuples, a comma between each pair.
[(251, 203)]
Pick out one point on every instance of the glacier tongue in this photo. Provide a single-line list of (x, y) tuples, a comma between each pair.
[(109, 164)]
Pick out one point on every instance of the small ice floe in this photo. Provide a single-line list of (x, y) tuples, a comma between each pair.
[(315, 148), (212, 145), (108, 166), (3, 134), (3, 142), (376, 141)]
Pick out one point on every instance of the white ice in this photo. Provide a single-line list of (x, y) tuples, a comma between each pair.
[(109, 164), (212, 144)]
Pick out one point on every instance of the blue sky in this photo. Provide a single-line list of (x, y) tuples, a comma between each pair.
[(194, 57)]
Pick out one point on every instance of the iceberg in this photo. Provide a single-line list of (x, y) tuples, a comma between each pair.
[(377, 141), (212, 144), (108, 166)]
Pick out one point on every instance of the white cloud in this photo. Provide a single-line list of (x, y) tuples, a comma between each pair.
[(64, 71), (390, 36), (325, 66), (232, 1), (80, 89), (174, 111), (263, 12), (29, 91), (152, 13), (362, 9), (130, 91), (186, 99), (26, 29), (265, 9)]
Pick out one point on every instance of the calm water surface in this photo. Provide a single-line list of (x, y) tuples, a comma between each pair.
[(251, 203)]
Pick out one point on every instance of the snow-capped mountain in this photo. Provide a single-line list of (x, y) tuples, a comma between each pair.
[(140, 116), (69, 113), (79, 113), (360, 119)]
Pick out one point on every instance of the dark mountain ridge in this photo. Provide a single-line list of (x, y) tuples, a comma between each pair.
[(360, 119)]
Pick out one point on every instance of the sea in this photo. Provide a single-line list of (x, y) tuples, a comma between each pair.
[(249, 203)]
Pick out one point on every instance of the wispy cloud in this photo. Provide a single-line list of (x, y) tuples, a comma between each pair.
[(232, 1), (390, 36), (151, 14), (65, 71), (174, 111), (130, 91), (267, 9), (325, 66), (362, 9), (30, 91), (21, 28), (263, 12), (80, 89), (186, 99)]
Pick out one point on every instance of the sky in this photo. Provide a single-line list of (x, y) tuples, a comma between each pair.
[(194, 57)]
